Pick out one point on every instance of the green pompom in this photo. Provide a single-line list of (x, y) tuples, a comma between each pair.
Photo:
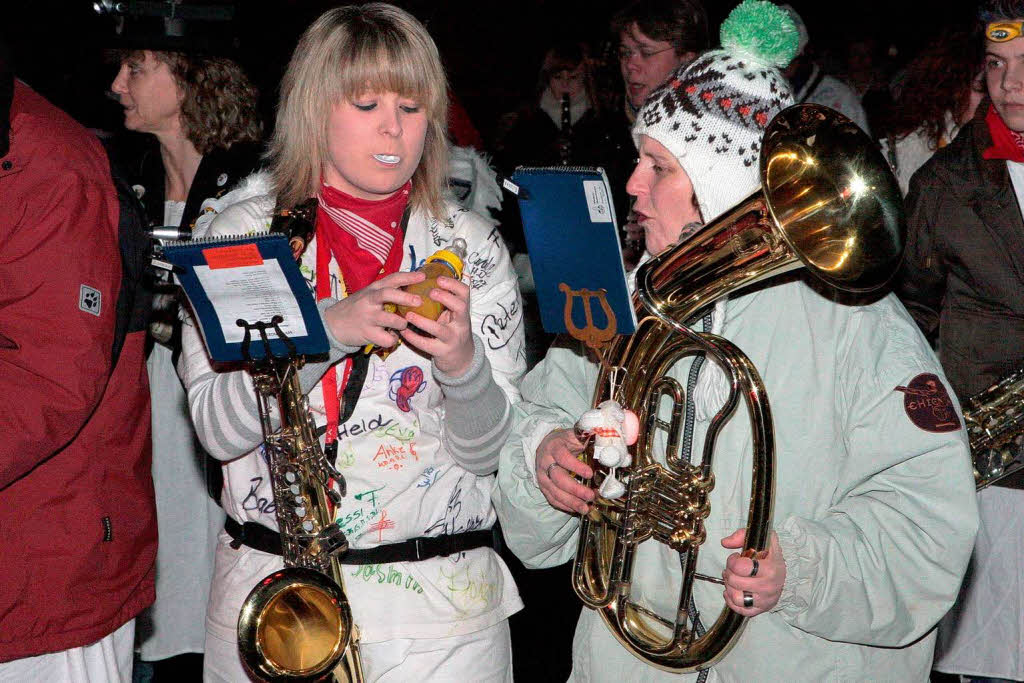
[(762, 31)]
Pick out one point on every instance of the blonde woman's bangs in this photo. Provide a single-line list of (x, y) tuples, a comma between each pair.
[(387, 63)]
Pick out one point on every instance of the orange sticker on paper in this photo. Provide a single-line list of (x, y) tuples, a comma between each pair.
[(234, 256)]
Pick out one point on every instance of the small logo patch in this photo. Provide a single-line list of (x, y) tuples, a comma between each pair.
[(222, 180), (928, 404), (90, 300)]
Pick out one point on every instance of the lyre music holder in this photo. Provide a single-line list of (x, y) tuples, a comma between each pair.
[(261, 328)]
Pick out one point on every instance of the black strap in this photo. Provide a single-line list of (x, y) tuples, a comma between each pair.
[(266, 540)]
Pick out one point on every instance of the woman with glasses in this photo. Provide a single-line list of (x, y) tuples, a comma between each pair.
[(656, 37)]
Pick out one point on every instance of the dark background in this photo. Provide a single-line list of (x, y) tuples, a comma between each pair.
[(492, 50)]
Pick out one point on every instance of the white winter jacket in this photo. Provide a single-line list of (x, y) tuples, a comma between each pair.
[(875, 515)]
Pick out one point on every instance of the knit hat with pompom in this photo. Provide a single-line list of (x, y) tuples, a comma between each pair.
[(712, 113)]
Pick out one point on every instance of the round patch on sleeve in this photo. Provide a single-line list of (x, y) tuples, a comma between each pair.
[(928, 404)]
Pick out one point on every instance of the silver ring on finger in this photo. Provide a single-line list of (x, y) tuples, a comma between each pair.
[(748, 599), (548, 470), (755, 568)]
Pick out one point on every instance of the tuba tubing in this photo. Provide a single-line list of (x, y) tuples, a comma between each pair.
[(828, 203)]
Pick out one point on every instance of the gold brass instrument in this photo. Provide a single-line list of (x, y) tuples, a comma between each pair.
[(829, 203), (995, 428), (296, 624)]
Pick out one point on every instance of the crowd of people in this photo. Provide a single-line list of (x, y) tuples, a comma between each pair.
[(136, 480)]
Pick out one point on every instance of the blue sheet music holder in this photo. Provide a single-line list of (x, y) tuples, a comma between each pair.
[(264, 259), (573, 243)]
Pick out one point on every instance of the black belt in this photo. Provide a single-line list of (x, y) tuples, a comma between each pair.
[(267, 540)]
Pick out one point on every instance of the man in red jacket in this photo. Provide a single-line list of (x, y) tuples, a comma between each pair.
[(76, 496)]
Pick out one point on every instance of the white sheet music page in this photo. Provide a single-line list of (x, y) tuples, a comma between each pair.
[(253, 293)]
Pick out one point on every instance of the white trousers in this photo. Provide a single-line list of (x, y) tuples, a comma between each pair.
[(481, 657), (983, 635), (108, 660)]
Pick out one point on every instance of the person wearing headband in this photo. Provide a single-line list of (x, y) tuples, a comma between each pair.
[(962, 281), (874, 510)]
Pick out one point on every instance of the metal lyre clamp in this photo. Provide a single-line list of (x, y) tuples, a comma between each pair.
[(261, 328), (590, 334)]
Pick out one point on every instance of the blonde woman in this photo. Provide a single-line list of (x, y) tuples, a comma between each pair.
[(361, 128)]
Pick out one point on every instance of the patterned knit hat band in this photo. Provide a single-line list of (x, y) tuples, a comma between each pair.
[(712, 114)]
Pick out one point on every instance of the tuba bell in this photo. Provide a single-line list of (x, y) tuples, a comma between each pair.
[(829, 203)]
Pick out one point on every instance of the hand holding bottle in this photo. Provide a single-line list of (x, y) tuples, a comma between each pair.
[(368, 316), (450, 340)]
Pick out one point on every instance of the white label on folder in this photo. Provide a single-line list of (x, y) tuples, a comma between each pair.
[(597, 201), (259, 292)]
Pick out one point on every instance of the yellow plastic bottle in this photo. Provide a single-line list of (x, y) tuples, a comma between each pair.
[(442, 263)]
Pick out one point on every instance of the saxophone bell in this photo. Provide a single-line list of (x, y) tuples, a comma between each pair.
[(296, 624)]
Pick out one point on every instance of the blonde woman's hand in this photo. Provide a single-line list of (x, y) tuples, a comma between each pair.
[(450, 343), (361, 318)]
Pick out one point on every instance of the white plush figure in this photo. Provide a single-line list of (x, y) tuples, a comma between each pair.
[(613, 429)]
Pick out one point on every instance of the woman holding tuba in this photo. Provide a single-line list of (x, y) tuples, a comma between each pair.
[(416, 427), (874, 513)]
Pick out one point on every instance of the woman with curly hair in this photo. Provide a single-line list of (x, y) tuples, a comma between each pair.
[(200, 114), (939, 93)]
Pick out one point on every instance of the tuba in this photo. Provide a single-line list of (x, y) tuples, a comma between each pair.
[(828, 202), (296, 624)]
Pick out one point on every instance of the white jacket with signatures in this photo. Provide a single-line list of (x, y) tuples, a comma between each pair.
[(402, 479)]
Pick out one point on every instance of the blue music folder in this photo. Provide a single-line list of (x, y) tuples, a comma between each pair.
[(252, 278), (573, 243)]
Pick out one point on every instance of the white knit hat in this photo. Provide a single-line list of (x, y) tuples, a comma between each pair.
[(712, 114)]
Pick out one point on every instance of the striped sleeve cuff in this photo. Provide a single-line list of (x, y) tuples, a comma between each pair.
[(227, 419), (478, 416), (311, 373)]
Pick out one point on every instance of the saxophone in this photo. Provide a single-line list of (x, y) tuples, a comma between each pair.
[(296, 624), (995, 429)]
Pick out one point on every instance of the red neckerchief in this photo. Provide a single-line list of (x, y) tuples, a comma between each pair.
[(344, 239), (363, 235), (1006, 144)]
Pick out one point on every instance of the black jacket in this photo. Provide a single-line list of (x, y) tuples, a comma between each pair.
[(218, 173), (963, 274)]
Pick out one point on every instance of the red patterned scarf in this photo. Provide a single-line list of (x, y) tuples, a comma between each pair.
[(363, 235), (1006, 144)]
